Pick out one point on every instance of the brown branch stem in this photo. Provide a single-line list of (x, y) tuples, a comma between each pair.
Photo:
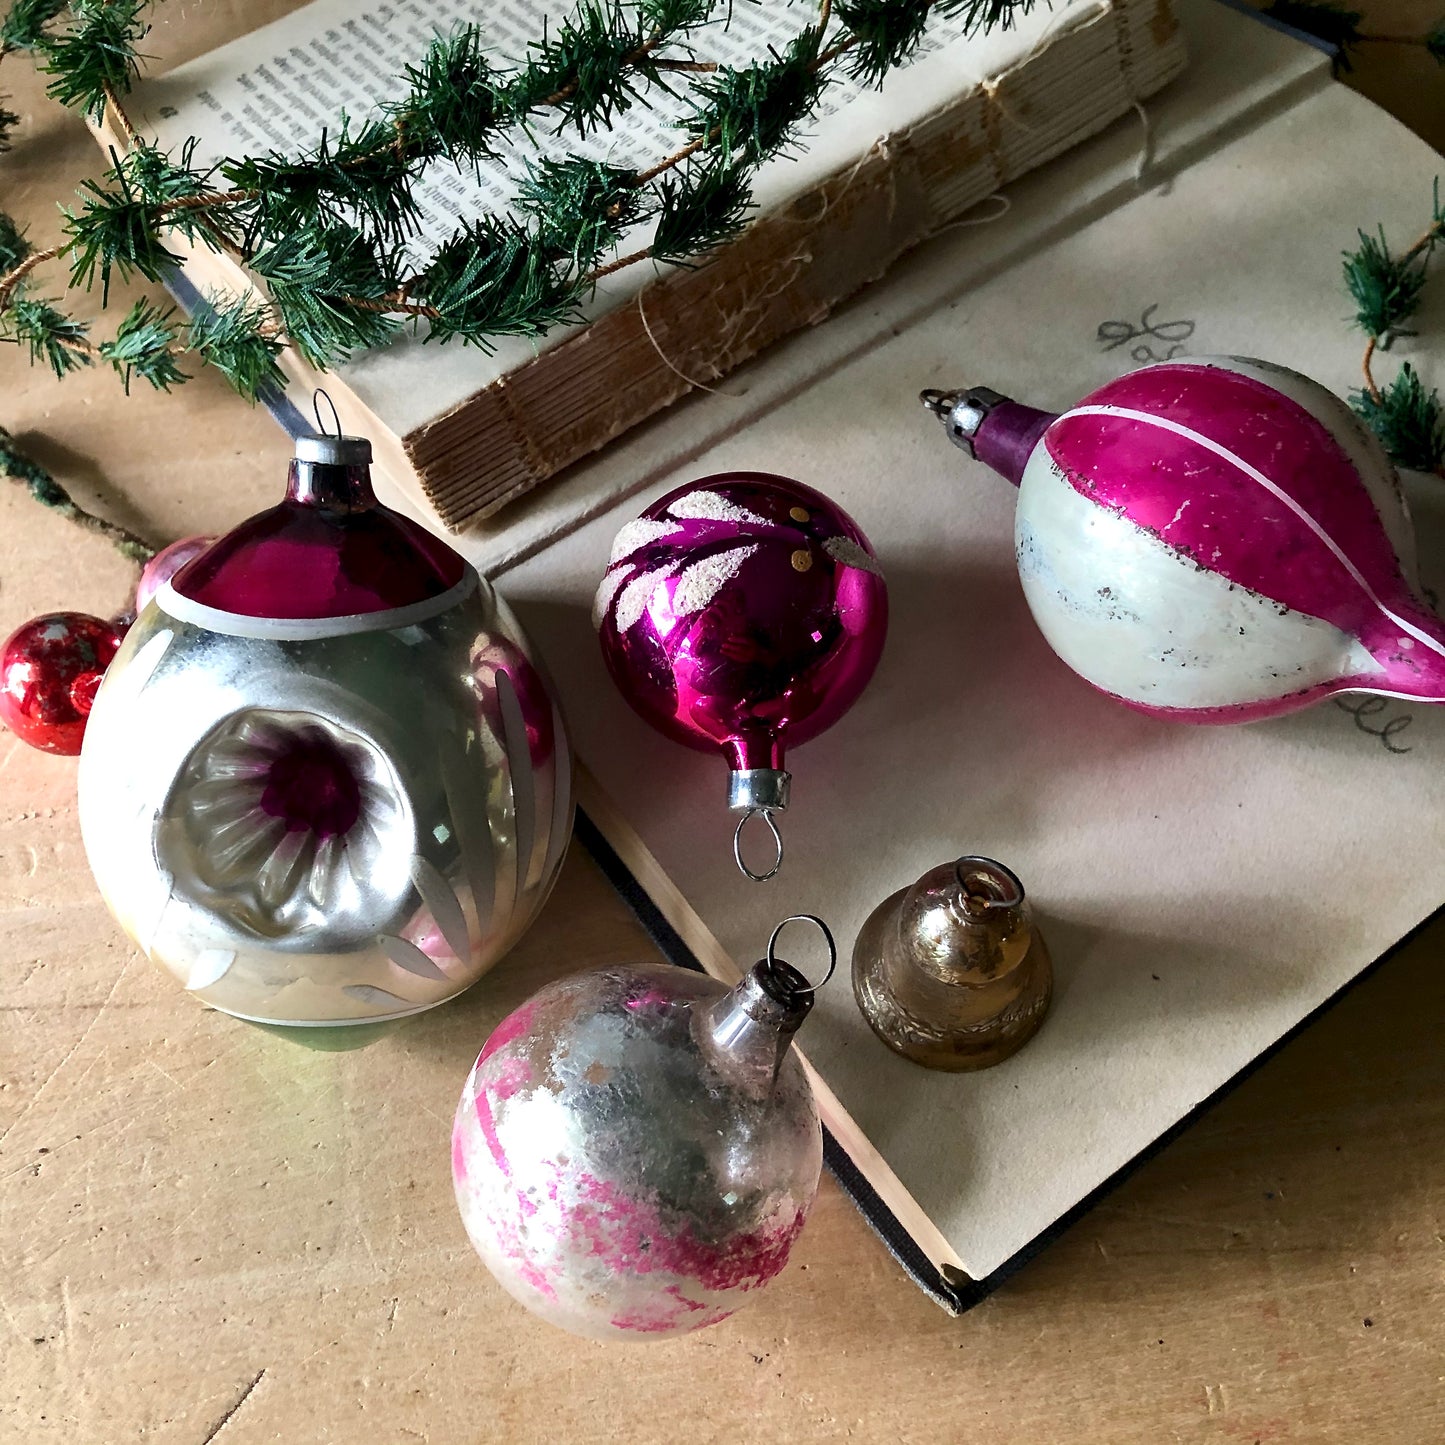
[(616, 264), (127, 130), (13, 278), (1370, 386)]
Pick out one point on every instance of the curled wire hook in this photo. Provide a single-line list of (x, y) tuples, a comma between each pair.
[(938, 402), (974, 863), (823, 928), (766, 814), (316, 397)]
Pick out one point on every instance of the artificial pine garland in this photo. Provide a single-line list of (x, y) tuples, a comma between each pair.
[(1408, 419), (328, 230)]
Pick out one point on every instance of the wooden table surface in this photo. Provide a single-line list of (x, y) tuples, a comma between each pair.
[(208, 1232)]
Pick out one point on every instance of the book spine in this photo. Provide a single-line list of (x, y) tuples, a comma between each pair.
[(789, 269)]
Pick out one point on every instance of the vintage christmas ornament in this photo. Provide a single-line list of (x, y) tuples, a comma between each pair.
[(324, 782), (50, 670), (1211, 539), (164, 565), (952, 972), (637, 1149), (743, 613)]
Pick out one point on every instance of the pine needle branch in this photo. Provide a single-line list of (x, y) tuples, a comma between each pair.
[(1408, 418), (326, 229)]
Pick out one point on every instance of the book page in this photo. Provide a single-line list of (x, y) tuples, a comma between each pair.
[(277, 87), (1202, 889)]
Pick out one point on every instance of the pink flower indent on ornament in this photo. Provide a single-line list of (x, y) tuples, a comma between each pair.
[(287, 821), (309, 785)]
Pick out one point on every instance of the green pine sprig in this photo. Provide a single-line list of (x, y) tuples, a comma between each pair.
[(1408, 418), (326, 230), (144, 345), (94, 58)]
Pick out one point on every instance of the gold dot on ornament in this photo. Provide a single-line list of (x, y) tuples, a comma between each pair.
[(799, 514), (802, 559)]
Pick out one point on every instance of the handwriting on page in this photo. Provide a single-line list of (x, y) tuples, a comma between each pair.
[(1157, 340), (1365, 708)]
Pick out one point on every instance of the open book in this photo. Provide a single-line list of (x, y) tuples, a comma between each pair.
[(1203, 890), (470, 431)]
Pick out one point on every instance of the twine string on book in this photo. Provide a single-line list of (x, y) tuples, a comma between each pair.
[(997, 109), (786, 273)]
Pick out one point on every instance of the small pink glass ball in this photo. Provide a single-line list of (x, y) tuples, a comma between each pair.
[(743, 612), (164, 565)]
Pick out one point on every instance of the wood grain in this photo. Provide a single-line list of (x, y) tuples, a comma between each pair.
[(208, 1233)]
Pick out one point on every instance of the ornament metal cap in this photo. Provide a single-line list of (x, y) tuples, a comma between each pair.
[(747, 1032), (992, 428), (333, 451)]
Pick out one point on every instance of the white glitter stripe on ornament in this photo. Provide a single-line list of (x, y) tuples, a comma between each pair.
[(704, 580), (848, 553), (638, 534), (632, 602), (704, 506), (607, 590)]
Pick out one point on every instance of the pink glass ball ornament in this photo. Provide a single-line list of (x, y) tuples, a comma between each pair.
[(743, 613), (164, 565), (637, 1149), (324, 782), (1212, 539)]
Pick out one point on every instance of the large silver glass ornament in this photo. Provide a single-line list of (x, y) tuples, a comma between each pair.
[(637, 1149), (324, 782)]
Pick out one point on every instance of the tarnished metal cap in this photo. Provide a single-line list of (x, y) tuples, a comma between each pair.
[(962, 412), (335, 451)]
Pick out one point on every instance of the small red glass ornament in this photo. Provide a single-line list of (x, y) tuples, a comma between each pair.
[(743, 613), (50, 670)]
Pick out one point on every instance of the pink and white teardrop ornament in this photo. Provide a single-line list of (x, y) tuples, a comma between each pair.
[(1212, 539), (743, 613), (636, 1149)]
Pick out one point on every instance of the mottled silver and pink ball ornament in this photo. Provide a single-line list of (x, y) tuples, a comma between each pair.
[(1212, 539), (637, 1149), (743, 614), (323, 781)]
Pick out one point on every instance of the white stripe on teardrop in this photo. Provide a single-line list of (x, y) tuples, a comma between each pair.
[(1166, 424)]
